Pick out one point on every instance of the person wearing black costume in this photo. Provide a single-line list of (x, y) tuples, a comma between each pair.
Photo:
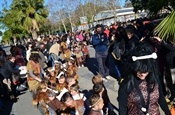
[(140, 93)]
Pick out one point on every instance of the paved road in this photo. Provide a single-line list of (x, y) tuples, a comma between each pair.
[(24, 105)]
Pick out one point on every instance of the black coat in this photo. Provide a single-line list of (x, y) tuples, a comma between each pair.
[(8, 68), (170, 56)]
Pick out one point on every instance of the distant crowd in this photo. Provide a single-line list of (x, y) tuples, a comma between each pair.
[(48, 67)]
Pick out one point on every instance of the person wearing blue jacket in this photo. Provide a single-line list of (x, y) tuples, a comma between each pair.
[(100, 43)]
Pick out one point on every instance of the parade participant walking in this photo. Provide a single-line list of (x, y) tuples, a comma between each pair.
[(34, 69), (140, 93), (96, 103), (100, 41), (75, 107)]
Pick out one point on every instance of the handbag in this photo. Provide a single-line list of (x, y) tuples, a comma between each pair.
[(15, 79)]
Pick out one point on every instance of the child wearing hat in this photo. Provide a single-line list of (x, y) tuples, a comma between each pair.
[(99, 88), (61, 85)]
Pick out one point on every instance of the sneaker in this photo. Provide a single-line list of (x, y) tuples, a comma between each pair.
[(108, 77), (104, 79), (82, 65)]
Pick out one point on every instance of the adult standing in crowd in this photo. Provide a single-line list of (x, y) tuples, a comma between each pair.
[(168, 67), (6, 71), (100, 43), (54, 51), (132, 40), (141, 93)]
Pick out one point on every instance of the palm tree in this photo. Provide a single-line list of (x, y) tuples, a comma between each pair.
[(25, 16), (166, 29), (32, 14)]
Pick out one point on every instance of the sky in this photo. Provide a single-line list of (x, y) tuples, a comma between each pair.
[(8, 2)]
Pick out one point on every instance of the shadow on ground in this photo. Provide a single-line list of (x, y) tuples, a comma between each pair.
[(8, 104), (92, 65)]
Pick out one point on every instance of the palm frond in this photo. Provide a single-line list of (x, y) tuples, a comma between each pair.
[(39, 18), (166, 29), (27, 23), (30, 10)]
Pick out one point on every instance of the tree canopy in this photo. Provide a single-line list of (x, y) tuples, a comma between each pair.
[(166, 29), (27, 17), (23, 17)]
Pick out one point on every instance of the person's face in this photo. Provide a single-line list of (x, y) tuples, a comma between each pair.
[(61, 80), (12, 59), (57, 67), (142, 75), (73, 92), (44, 89), (51, 98), (69, 63), (69, 102), (129, 35), (52, 73), (99, 30), (42, 47)]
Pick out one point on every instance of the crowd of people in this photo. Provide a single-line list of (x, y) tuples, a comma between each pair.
[(143, 66), (51, 64)]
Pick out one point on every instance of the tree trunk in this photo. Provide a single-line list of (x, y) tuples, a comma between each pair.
[(34, 34), (71, 24), (64, 26), (14, 41)]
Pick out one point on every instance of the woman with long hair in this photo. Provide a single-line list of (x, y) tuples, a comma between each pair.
[(34, 71), (141, 93)]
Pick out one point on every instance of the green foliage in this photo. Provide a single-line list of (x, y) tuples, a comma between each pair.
[(23, 17), (166, 29), (154, 6), (7, 35), (138, 5), (0, 33)]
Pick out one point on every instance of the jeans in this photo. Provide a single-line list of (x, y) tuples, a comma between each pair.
[(53, 58), (101, 59), (51, 111)]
